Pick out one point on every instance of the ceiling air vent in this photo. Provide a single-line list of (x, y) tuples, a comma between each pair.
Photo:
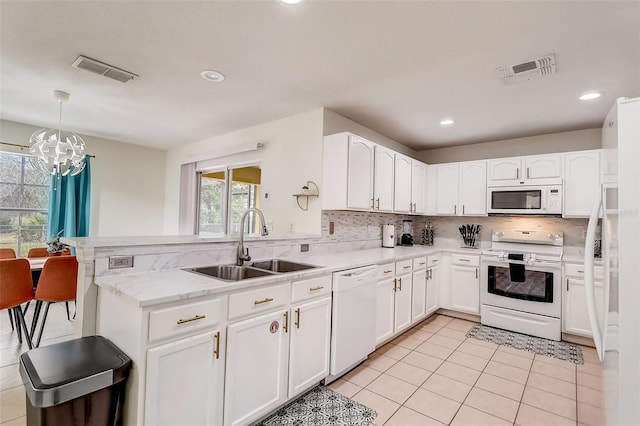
[(103, 69), (535, 68)]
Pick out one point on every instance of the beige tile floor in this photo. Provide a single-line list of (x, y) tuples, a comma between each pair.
[(12, 395), (434, 375)]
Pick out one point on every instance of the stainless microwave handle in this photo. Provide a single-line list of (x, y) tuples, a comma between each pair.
[(527, 172), (518, 173)]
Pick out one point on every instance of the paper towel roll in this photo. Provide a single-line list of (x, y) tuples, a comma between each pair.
[(388, 236)]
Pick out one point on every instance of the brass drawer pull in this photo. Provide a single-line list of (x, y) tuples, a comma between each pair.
[(422, 263), (582, 272), (298, 318), (464, 260), (196, 318), (400, 283), (388, 271), (406, 267), (434, 260), (217, 350), (265, 300), (320, 287)]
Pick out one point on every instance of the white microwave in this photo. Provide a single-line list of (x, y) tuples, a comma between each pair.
[(525, 199)]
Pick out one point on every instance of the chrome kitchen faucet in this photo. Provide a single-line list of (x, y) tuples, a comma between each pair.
[(242, 256)]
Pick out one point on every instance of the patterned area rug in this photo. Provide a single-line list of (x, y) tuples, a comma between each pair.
[(560, 350), (321, 406)]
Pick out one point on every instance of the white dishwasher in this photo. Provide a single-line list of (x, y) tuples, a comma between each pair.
[(353, 319)]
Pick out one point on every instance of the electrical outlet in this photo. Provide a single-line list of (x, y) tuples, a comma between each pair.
[(119, 262), (304, 248), (331, 228)]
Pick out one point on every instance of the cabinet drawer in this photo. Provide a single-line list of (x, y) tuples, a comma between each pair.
[(465, 259), (419, 263), (185, 318), (311, 288), (404, 266), (434, 260), (258, 300), (577, 270), (387, 270)]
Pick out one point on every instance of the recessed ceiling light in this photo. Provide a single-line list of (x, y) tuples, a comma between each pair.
[(447, 122), (212, 75), (590, 95), (290, 1)]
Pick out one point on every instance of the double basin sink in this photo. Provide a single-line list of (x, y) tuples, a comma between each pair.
[(252, 270)]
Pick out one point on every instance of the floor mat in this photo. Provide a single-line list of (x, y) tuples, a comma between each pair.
[(560, 350), (321, 406)]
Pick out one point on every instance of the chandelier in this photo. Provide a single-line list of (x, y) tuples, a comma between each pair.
[(57, 152)]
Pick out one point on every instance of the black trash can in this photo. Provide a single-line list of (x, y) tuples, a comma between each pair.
[(79, 382)]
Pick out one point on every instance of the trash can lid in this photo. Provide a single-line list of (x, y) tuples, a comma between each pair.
[(64, 371)]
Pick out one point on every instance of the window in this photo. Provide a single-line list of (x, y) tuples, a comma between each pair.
[(224, 195), (24, 203)]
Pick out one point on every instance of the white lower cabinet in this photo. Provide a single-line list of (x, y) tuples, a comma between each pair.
[(191, 368), (385, 308), (575, 317), (402, 313), (465, 283), (256, 373), (419, 295), (309, 345), (432, 279)]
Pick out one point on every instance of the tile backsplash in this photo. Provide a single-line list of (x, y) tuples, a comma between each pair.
[(366, 228)]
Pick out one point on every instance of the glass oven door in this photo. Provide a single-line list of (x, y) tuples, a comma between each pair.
[(518, 282)]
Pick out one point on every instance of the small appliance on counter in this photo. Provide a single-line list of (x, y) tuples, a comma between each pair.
[(388, 235), (406, 239)]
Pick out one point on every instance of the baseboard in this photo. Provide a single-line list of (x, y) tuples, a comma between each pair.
[(578, 340), (461, 315)]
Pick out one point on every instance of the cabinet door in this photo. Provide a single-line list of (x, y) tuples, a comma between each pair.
[(542, 167), (576, 318), (383, 178), (190, 368), (581, 184), (504, 169), (402, 186), (256, 373), (465, 289), (473, 188), (447, 189), (360, 174), (433, 276), (385, 307), (431, 190), (309, 345), (418, 296), (402, 312), (418, 184)]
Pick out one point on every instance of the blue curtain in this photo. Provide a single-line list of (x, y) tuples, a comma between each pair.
[(69, 204)]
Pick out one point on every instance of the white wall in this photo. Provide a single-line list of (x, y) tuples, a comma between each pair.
[(291, 156), (543, 144), (127, 182), (335, 123)]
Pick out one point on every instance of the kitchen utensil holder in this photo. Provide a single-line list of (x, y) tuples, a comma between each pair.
[(469, 234)]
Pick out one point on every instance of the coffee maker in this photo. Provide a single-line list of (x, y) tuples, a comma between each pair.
[(406, 239)]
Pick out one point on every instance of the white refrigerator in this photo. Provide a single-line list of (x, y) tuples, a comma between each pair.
[(617, 333)]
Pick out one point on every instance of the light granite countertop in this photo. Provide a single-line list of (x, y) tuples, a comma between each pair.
[(151, 288)]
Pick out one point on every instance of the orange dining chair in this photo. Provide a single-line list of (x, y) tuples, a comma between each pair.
[(38, 252), (7, 253), (58, 283), (16, 288)]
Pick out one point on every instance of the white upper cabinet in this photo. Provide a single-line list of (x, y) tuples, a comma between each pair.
[(431, 190), (581, 183), (360, 173), (472, 188), (461, 188), (447, 189), (403, 202), (418, 186), (383, 178), (347, 172), (505, 171)]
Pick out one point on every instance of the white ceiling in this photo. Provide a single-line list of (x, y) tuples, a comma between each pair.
[(397, 67)]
